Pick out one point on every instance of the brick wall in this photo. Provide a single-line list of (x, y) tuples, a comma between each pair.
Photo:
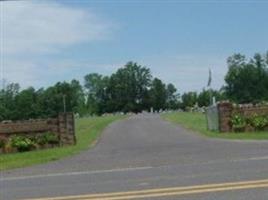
[(226, 110), (63, 125)]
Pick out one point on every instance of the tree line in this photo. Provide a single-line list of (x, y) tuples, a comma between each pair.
[(132, 88)]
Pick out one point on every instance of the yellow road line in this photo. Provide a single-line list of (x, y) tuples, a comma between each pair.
[(168, 191), (178, 193)]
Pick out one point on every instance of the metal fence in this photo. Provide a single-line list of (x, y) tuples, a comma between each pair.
[(212, 115)]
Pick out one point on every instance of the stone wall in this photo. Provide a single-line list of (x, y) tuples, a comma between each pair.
[(226, 110), (63, 125)]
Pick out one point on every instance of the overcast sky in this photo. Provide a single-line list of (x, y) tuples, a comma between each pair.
[(43, 42)]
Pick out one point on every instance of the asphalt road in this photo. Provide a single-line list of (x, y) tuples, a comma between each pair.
[(142, 153)]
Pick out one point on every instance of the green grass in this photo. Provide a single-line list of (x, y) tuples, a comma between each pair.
[(197, 122), (87, 132)]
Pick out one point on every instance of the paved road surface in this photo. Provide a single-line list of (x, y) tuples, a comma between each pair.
[(144, 152)]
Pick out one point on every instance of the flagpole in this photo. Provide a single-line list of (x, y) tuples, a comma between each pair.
[(209, 87)]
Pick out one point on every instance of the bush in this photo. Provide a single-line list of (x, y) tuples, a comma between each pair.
[(238, 122), (41, 140), (27, 143), (22, 143), (259, 122), (8, 147), (50, 138), (2, 142)]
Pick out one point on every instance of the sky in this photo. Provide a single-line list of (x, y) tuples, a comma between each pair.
[(43, 42)]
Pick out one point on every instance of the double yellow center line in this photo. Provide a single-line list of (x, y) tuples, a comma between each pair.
[(165, 192)]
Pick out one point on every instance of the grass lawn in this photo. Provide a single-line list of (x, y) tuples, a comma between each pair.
[(197, 122), (87, 132)]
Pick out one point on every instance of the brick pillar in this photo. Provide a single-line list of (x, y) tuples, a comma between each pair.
[(70, 128), (66, 128), (225, 113)]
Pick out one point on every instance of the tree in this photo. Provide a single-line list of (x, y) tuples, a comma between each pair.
[(204, 97), (172, 97), (96, 90), (7, 101), (129, 87), (189, 99), (158, 94), (247, 81), (52, 102), (266, 58), (26, 104), (78, 97)]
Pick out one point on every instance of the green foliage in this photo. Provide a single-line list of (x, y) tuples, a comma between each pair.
[(40, 140), (259, 122), (26, 142), (132, 88), (129, 89), (46, 138), (2, 142), (172, 101), (22, 143), (198, 123), (247, 81), (7, 101), (205, 97), (189, 99), (50, 138), (158, 94), (238, 121), (87, 131), (42, 103)]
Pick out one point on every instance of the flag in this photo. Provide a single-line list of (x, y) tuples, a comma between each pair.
[(209, 78)]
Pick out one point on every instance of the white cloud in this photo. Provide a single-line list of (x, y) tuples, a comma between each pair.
[(45, 73), (23, 72), (47, 27), (31, 31), (185, 71)]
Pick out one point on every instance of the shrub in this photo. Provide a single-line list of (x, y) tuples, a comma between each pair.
[(41, 140), (2, 142), (8, 147), (53, 139), (259, 122), (50, 138), (238, 122), (22, 143)]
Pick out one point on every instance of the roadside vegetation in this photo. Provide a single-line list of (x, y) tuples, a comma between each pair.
[(197, 122), (132, 88), (87, 132)]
